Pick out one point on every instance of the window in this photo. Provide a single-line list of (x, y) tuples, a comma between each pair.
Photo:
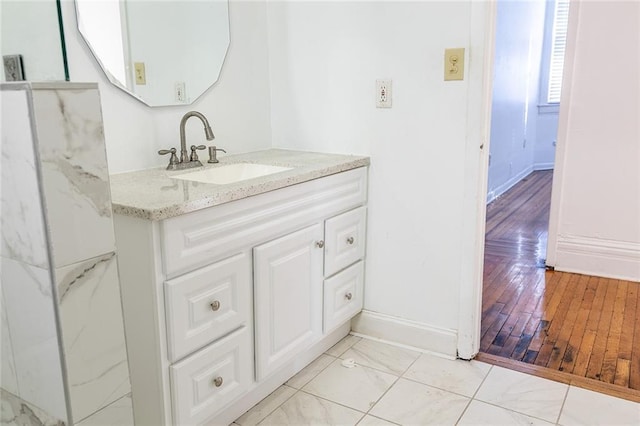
[(553, 50), (558, 42)]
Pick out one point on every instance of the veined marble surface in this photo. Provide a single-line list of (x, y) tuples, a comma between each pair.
[(75, 177), (31, 319), (153, 194), (120, 413), (17, 412), (21, 220), (93, 334), (8, 378)]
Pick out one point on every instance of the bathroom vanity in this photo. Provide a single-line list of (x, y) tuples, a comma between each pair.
[(230, 289)]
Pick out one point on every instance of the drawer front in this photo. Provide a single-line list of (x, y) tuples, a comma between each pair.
[(345, 240), (208, 380), (343, 296), (207, 304), (195, 239)]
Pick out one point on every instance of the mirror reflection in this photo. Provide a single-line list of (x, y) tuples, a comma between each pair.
[(161, 52)]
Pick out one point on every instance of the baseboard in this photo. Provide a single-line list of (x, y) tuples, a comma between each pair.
[(405, 332), (602, 258), (543, 166), (498, 191)]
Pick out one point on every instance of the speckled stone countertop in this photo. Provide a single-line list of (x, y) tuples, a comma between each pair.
[(153, 194)]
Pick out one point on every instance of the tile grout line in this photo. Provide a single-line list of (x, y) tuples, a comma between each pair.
[(473, 397), (564, 400), (296, 389)]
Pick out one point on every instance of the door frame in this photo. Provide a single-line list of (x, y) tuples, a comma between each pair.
[(470, 306)]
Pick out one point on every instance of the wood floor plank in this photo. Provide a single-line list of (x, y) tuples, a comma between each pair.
[(586, 326)]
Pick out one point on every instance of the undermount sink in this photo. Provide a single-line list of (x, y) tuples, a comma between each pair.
[(231, 173)]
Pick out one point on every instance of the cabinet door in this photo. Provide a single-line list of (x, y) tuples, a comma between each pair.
[(287, 297)]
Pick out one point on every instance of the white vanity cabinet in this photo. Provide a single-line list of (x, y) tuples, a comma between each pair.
[(224, 304)]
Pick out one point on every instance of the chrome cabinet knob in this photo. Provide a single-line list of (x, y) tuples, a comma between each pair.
[(350, 240), (217, 381), (348, 296), (320, 243), (215, 305)]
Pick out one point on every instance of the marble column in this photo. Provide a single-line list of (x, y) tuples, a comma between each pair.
[(63, 125)]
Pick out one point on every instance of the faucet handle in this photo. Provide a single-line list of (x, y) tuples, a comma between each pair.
[(173, 161), (194, 155)]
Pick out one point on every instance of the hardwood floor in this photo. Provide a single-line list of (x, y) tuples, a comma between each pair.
[(578, 324)]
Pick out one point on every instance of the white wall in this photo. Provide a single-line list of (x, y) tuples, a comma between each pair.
[(325, 58), (237, 106), (30, 28), (514, 118), (595, 211)]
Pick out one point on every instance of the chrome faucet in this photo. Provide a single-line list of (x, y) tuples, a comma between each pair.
[(187, 161)]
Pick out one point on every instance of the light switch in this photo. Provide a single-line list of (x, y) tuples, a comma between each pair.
[(454, 64), (141, 77)]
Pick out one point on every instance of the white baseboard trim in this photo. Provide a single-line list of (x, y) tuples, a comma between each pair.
[(542, 166), (405, 332), (602, 258), (498, 191)]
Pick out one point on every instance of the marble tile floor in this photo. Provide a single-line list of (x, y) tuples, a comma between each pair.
[(395, 386)]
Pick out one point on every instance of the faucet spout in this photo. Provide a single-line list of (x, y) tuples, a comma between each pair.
[(184, 155)]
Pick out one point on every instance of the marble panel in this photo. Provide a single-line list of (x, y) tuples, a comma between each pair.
[(93, 334), (463, 377), (357, 387), (75, 180), (21, 222), (411, 403), (15, 411), (31, 317), (304, 409), (119, 413), (526, 394), (8, 379), (374, 421)]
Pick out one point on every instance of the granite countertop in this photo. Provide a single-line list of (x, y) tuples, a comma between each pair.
[(153, 194)]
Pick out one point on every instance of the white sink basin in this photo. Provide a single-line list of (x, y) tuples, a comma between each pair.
[(231, 173)]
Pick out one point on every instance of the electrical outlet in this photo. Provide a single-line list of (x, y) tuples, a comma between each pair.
[(454, 64), (141, 75), (383, 93), (180, 92), (524, 143)]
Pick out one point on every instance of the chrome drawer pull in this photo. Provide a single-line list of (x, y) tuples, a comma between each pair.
[(350, 240), (215, 305), (348, 296), (320, 243), (217, 381)]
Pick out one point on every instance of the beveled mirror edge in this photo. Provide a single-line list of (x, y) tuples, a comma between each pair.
[(113, 80)]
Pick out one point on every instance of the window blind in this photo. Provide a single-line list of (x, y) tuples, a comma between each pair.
[(559, 39)]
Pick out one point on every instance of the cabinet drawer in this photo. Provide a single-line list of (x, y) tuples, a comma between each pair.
[(204, 383), (206, 304), (343, 296), (345, 238)]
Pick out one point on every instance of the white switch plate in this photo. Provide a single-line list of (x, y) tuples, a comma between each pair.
[(383, 93), (180, 89)]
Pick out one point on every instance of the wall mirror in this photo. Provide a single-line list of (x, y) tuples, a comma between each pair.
[(162, 52)]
